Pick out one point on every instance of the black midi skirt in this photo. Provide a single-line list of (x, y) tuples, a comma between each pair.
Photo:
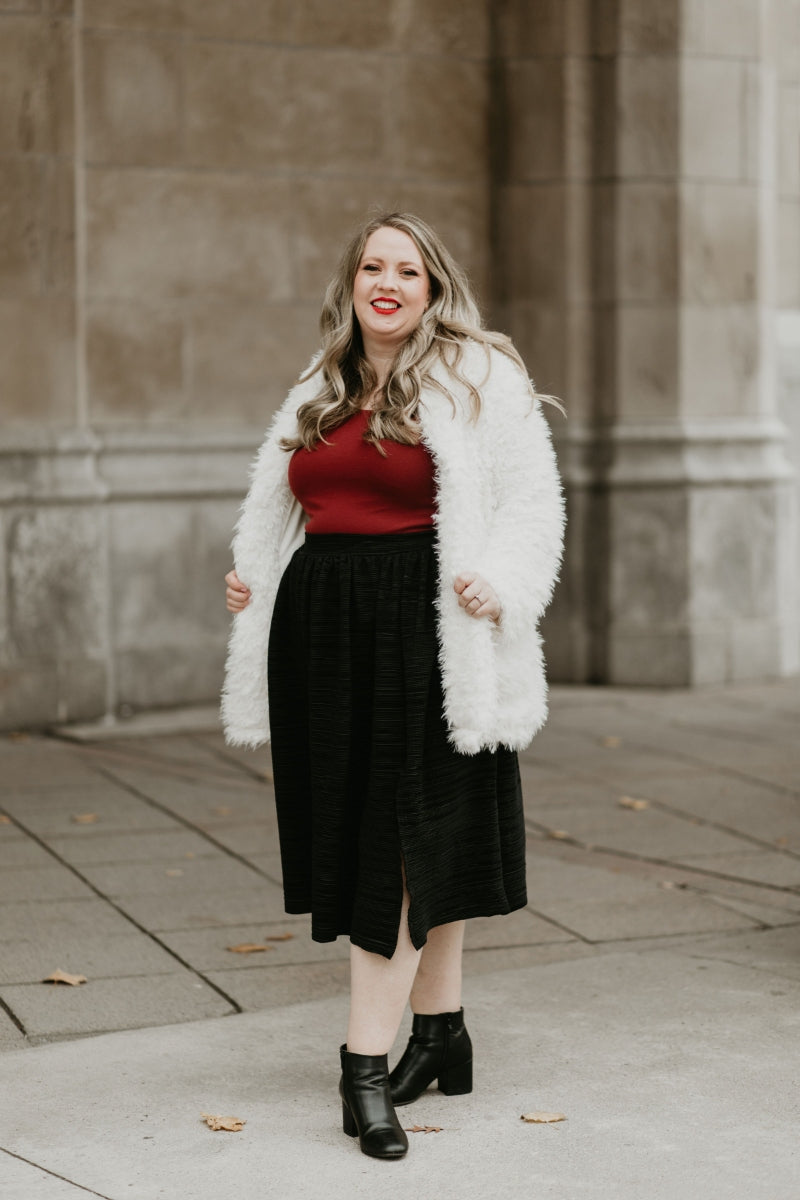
[(366, 782)]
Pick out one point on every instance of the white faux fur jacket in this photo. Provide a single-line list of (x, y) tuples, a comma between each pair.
[(499, 512)]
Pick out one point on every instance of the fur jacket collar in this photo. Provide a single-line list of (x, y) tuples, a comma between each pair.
[(499, 512)]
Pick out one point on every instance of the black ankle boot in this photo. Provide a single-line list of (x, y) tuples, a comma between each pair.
[(367, 1110), (439, 1046)]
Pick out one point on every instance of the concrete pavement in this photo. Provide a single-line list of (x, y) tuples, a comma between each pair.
[(649, 991)]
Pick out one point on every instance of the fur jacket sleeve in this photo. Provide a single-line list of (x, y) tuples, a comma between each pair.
[(499, 512)]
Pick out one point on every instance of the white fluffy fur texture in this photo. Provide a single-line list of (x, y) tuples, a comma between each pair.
[(499, 512)]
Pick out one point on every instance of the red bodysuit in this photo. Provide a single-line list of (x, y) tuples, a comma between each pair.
[(346, 486)]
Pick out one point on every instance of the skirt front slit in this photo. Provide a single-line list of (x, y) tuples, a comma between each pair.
[(366, 781)]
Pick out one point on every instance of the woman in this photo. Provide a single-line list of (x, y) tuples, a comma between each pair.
[(399, 542)]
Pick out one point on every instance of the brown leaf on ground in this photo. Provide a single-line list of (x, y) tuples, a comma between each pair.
[(190, 854), (782, 841), (424, 1129), (542, 1118), (248, 948), (630, 802), (173, 872), (18, 736), (4, 820), (558, 834), (223, 810), (84, 818), (671, 883), (611, 743), (279, 937), (230, 1124), (59, 976)]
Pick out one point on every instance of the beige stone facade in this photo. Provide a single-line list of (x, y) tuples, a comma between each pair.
[(622, 180)]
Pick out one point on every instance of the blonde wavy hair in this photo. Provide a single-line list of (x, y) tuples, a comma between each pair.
[(347, 379)]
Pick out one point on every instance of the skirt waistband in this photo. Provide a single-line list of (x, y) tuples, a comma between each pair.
[(367, 543)]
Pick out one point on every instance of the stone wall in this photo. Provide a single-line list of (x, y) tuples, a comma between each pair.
[(179, 176), (620, 177)]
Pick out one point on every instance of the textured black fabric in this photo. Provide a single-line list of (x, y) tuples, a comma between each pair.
[(365, 777)]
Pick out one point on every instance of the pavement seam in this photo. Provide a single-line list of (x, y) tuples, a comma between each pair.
[(543, 836), (55, 1175), (12, 1016), (127, 916)]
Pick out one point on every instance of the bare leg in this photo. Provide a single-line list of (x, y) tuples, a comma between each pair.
[(437, 984), (379, 991)]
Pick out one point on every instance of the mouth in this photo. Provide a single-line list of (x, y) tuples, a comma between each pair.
[(383, 305)]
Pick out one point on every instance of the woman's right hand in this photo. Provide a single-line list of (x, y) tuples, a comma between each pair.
[(237, 596)]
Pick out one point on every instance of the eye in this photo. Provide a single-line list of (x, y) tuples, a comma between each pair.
[(411, 271), (370, 267)]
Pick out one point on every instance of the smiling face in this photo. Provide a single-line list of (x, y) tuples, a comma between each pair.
[(391, 289)]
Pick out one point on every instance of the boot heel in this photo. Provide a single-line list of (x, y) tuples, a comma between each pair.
[(348, 1124), (456, 1081)]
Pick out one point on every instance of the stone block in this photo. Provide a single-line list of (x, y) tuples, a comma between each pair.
[(55, 579), (530, 137), (36, 386), (712, 126), (649, 569), (788, 256), (62, 920), (451, 28), (647, 361), (789, 140), (719, 360), (520, 928), (36, 89), (182, 613), (52, 882), (107, 1004), (645, 118), (170, 235), (647, 239), (53, 814), (345, 127), (132, 99), (532, 243), (649, 26), (719, 243), (29, 960), (243, 358), (721, 28), (537, 330), (22, 227), (172, 879), (244, 20), (206, 949), (786, 37), (205, 908), (264, 987), (733, 552), (358, 25), (135, 361), (527, 30), (658, 659), (238, 111), (161, 15), (167, 846), (20, 851), (59, 226)]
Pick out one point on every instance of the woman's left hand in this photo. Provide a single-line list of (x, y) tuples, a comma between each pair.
[(477, 597)]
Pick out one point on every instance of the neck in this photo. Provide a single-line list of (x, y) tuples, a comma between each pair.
[(380, 358)]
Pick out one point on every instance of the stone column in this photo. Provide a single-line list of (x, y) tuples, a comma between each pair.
[(660, 143)]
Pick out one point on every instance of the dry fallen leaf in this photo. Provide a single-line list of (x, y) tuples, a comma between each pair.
[(782, 841), (84, 818), (611, 743), (559, 834), (671, 883), (173, 872), (279, 937), (542, 1118), (223, 810), (424, 1129), (18, 736), (248, 948), (4, 820), (190, 854), (231, 1124), (59, 976), (636, 805)]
